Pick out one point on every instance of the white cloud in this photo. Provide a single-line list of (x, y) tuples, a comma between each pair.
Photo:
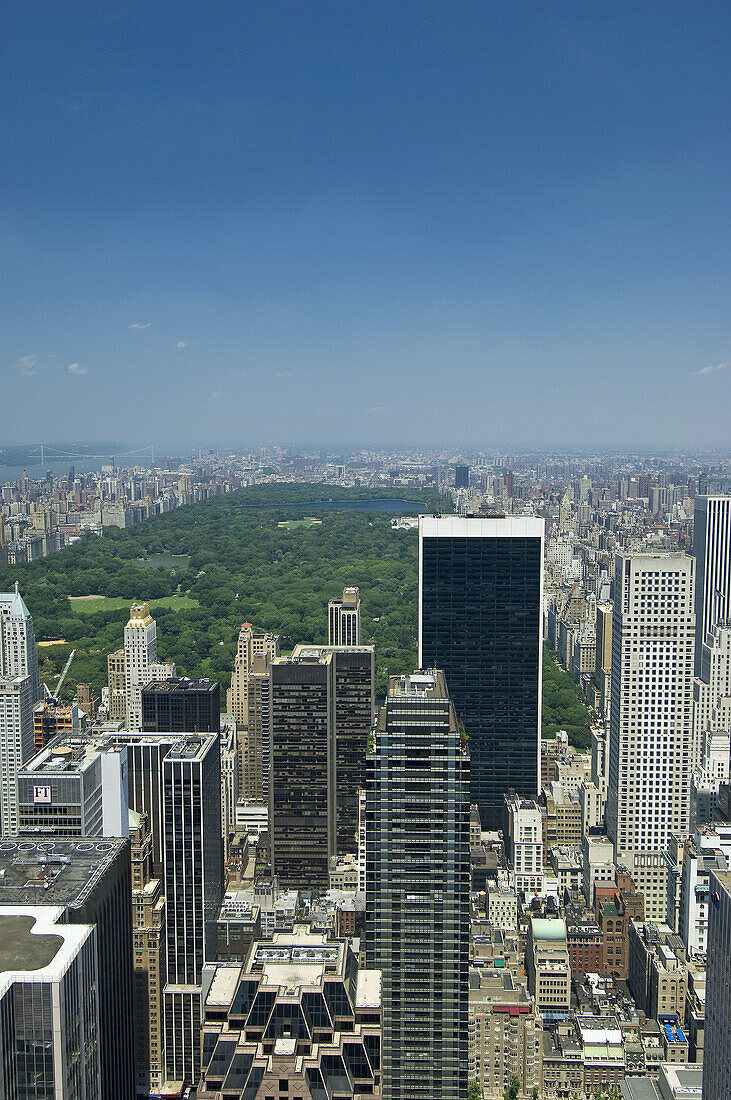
[(138, 324), (714, 368), (379, 409), (216, 393), (284, 374), (28, 364), (181, 344), (74, 368)]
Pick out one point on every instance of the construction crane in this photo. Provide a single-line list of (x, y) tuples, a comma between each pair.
[(62, 677)]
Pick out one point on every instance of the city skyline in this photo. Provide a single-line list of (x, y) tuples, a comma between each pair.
[(229, 894), (274, 218)]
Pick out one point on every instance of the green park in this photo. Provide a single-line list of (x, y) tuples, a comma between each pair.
[(206, 568)]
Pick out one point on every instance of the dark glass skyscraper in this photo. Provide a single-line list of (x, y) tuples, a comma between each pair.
[(181, 705), (480, 606), (417, 888), (321, 717), (191, 788)]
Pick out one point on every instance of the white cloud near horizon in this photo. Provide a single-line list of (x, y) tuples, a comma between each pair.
[(714, 368), (75, 368), (138, 324), (181, 344), (28, 364)]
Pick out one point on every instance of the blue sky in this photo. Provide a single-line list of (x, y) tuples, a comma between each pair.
[(491, 223)]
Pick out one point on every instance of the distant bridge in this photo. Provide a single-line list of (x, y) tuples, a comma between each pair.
[(47, 450)]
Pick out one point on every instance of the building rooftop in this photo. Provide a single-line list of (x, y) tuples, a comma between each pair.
[(190, 746), (425, 682), (62, 871), (31, 941), (181, 683), (368, 994), (724, 878), (16, 602), (304, 652), (223, 986), (550, 930), (295, 959), (69, 753)]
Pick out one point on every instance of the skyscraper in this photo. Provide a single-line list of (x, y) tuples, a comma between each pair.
[(253, 737), (193, 891), (76, 787), (267, 1029), (461, 477), (248, 701), (712, 692), (343, 618), (20, 690), (712, 553), (116, 685), (17, 743), (86, 882), (480, 608), (717, 1040), (321, 716), (181, 705), (49, 1005), (650, 731), (140, 661), (249, 646), (18, 656), (148, 932), (417, 888)]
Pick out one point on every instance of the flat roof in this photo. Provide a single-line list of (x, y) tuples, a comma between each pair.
[(461, 527), (368, 992), (68, 752), (190, 746), (61, 871), (181, 683), (553, 931), (32, 942), (223, 986)]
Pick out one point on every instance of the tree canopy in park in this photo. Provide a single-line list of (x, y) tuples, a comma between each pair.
[(235, 564), (241, 567)]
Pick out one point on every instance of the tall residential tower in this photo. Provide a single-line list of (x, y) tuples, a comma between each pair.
[(141, 666), (417, 888), (20, 690)]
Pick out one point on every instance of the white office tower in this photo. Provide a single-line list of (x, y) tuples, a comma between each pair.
[(650, 729), (525, 844), (141, 666), (712, 553), (49, 1004), (343, 619), (712, 693), (17, 744), (20, 690), (18, 656)]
